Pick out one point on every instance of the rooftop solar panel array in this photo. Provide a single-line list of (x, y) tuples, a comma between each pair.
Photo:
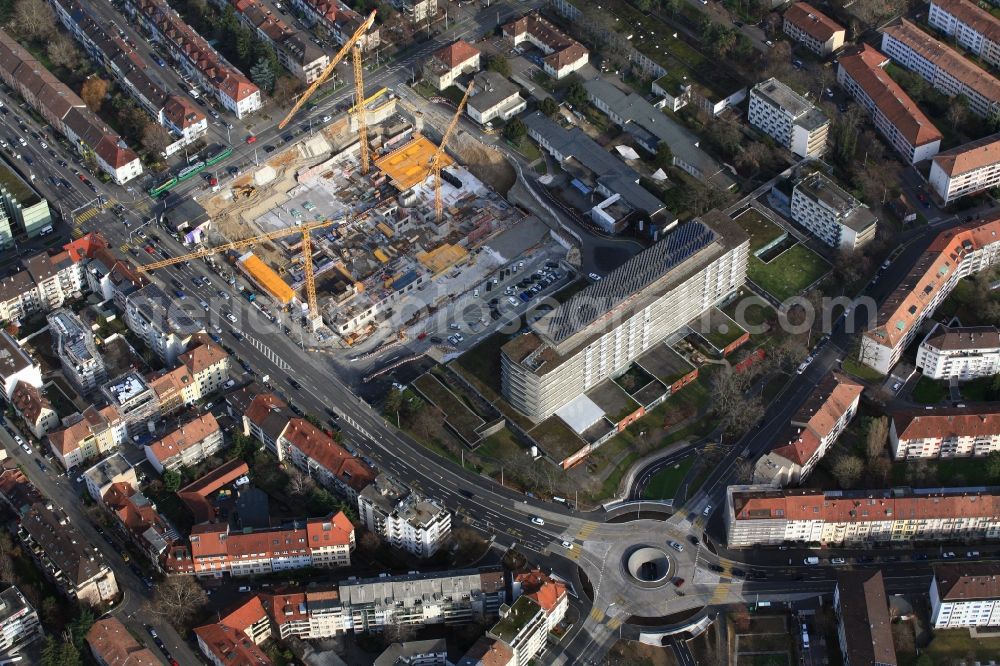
[(628, 279)]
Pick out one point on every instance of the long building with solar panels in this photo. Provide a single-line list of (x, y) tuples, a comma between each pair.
[(606, 326)]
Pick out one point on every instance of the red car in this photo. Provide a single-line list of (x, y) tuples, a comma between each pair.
[(251, 139), (149, 249)]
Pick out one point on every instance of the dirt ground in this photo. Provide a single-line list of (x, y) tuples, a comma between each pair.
[(489, 166), (632, 653)]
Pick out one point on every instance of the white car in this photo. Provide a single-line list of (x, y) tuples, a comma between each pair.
[(838, 561), (707, 511), (204, 304), (594, 276), (224, 294), (676, 546), (19, 440), (231, 317), (327, 119), (567, 545), (537, 521), (512, 301)]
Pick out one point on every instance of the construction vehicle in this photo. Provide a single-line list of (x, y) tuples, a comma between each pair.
[(437, 160), (353, 46), (244, 191), (304, 229)]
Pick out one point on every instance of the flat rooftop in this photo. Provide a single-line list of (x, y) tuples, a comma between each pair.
[(411, 164), (17, 187), (850, 211)]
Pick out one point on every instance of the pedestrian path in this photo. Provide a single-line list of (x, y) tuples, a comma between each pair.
[(271, 355)]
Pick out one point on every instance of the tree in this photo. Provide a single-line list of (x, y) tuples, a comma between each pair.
[(515, 131), (993, 465), (244, 447), (263, 75), (93, 92), (393, 401), (549, 107), (33, 19), (878, 433), (80, 626), (62, 52), (155, 138), (958, 110), (664, 157), (752, 156), (847, 469), (7, 573), (499, 64), (178, 600), (285, 89), (725, 136), (576, 94), (171, 480), (299, 484), (60, 653)]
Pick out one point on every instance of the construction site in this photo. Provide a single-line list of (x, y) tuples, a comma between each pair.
[(360, 222)]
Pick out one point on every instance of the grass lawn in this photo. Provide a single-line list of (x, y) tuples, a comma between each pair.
[(979, 390), (948, 472), (762, 230), (957, 644), (456, 412), (789, 273), (424, 90), (751, 309), (665, 483), (483, 360), (853, 366), (527, 148), (776, 659), (929, 391), (720, 338)]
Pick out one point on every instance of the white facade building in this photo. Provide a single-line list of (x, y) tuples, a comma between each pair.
[(811, 27), (162, 324), (960, 353), (19, 625), (74, 344), (405, 520), (973, 28), (831, 214), (494, 98), (968, 169), (954, 254), (16, 366), (186, 446), (788, 118), (965, 595), (944, 432)]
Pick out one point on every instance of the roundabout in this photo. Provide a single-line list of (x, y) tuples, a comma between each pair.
[(648, 566)]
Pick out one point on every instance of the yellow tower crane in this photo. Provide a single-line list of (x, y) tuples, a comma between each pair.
[(352, 46), (304, 229), (438, 158)]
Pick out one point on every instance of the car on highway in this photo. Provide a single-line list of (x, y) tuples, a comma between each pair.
[(693, 539), (294, 384), (948, 556), (567, 545), (716, 568), (676, 546), (231, 317), (810, 561), (594, 276), (537, 521), (677, 581), (707, 511), (837, 561), (251, 139)]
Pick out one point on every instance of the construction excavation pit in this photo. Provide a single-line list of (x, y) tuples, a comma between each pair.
[(647, 566)]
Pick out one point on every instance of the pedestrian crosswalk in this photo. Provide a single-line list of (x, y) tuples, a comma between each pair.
[(86, 215), (268, 352)]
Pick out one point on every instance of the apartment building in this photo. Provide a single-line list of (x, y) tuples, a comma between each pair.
[(948, 71), (404, 519), (295, 51), (487, 651), (522, 628), (186, 122), (864, 628), (66, 557), (208, 365), (419, 12), (451, 597), (972, 27), (761, 515), (894, 114), (111, 644), (431, 652), (87, 436), (197, 495), (34, 409), (968, 169), (954, 254), (548, 593), (494, 98), (100, 477), (959, 352), (788, 118), (964, 595), (215, 549), (212, 72), (831, 214), (16, 491), (944, 432), (133, 401), (312, 614), (164, 326), (563, 54), (812, 431), (187, 445), (57, 276), (16, 366), (22, 209), (223, 645), (19, 625), (141, 522), (74, 345), (314, 453), (448, 63), (605, 327), (813, 29), (340, 21), (265, 419)]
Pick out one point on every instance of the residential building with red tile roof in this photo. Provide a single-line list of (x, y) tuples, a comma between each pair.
[(760, 515), (208, 364), (184, 119), (945, 432), (225, 646), (895, 115), (144, 525), (965, 594), (967, 169), (340, 20), (265, 419), (99, 478), (814, 29), (295, 51), (864, 628), (34, 408), (488, 651), (450, 62), (195, 495), (215, 549), (310, 614), (959, 352), (112, 644), (228, 84), (972, 27), (16, 490), (563, 54), (251, 618), (812, 431), (947, 70), (86, 436), (318, 455), (549, 594), (954, 254), (187, 445)]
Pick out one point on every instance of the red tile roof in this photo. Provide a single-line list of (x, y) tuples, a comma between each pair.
[(865, 67), (203, 356), (813, 22), (816, 418), (182, 113), (973, 16), (184, 437), (968, 581), (245, 615), (457, 53), (546, 592), (970, 156), (114, 645), (195, 494), (315, 444), (942, 423), (231, 647), (29, 401)]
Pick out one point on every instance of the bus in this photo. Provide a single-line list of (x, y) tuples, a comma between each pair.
[(223, 153), (165, 186), (190, 171)]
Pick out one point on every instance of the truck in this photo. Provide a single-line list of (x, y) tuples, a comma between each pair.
[(250, 296)]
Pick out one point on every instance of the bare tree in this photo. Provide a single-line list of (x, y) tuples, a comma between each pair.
[(62, 51), (7, 573), (848, 470), (878, 433), (33, 19), (299, 484), (178, 600), (155, 138)]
